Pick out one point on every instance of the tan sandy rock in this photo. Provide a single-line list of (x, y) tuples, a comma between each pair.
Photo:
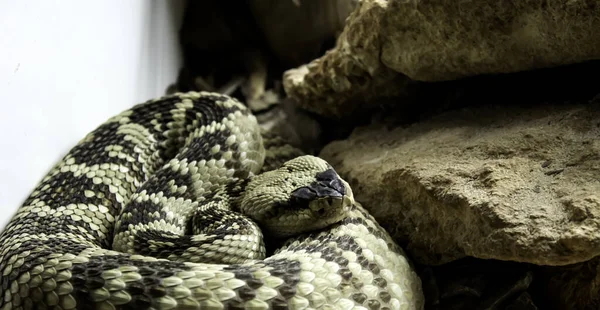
[(495, 182), (386, 42)]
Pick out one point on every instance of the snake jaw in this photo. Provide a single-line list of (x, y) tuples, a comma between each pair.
[(330, 210)]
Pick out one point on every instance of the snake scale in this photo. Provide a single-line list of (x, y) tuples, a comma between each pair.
[(164, 206)]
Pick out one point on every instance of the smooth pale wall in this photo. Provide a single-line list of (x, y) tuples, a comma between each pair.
[(67, 66)]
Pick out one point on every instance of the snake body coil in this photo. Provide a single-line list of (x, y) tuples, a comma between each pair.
[(146, 213)]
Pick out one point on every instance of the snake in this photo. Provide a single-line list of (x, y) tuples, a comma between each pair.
[(168, 205)]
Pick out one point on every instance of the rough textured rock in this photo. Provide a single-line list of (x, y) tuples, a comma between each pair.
[(429, 40), (296, 31), (341, 81), (494, 182), (478, 284), (293, 125), (573, 287)]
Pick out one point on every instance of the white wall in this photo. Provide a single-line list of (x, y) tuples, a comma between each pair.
[(67, 66)]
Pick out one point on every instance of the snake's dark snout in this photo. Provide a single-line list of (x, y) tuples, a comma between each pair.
[(327, 185), (328, 181)]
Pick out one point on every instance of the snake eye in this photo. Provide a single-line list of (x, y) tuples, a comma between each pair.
[(301, 197), (299, 203)]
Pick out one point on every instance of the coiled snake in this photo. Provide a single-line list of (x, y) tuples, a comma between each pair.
[(146, 213)]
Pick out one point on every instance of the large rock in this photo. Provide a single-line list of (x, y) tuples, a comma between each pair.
[(573, 286), (479, 284), (494, 182), (297, 31), (431, 40), (347, 77)]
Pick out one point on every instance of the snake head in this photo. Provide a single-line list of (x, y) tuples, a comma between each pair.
[(305, 194)]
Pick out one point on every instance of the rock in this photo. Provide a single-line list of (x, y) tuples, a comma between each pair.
[(293, 125), (574, 286), (477, 284), (494, 182), (384, 42), (523, 302), (341, 81), (298, 31), (345, 94)]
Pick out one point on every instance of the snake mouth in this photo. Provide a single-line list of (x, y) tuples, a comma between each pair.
[(331, 209)]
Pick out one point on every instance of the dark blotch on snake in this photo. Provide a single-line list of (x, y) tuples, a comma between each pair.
[(141, 302), (373, 304), (254, 283), (356, 283), (360, 298), (345, 273), (136, 288), (146, 271), (342, 261), (94, 282), (381, 282), (279, 303), (149, 281), (287, 291), (246, 293), (374, 268), (385, 296), (235, 304), (157, 291)]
